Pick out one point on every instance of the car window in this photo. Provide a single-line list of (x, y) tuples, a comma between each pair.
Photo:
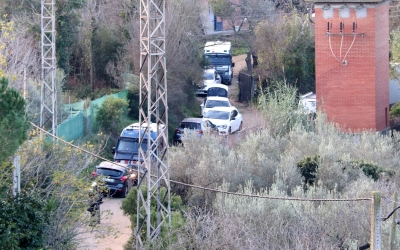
[(131, 145), (217, 92), (190, 125), (217, 103), (109, 172), (208, 76), (217, 114)]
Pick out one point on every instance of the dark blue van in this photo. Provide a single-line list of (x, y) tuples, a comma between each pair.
[(127, 148)]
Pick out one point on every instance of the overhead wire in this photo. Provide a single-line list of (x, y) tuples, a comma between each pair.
[(205, 188)]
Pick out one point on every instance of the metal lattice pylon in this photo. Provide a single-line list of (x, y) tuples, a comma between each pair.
[(48, 87), (153, 204)]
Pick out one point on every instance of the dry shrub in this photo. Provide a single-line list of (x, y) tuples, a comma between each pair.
[(263, 162)]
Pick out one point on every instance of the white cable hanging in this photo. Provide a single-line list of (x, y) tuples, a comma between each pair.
[(344, 62), (330, 45)]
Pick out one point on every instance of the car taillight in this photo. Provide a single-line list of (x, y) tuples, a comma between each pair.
[(178, 131), (123, 178), (94, 174), (200, 131)]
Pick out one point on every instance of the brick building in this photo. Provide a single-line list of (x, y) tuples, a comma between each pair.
[(352, 62)]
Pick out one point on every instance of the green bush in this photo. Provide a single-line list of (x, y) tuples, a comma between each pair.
[(23, 222), (395, 111), (308, 168), (110, 116), (370, 169), (129, 207)]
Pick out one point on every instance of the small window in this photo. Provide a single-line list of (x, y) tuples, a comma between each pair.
[(190, 125), (109, 172)]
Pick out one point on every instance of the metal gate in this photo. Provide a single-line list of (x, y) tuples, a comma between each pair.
[(246, 87)]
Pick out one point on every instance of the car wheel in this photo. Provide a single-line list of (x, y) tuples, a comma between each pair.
[(124, 192), (241, 126), (229, 131)]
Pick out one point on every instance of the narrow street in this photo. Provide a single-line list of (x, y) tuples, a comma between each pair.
[(115, 228), (113, 231), (252, 118)]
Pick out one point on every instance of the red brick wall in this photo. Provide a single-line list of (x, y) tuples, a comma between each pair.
[(354, 96)]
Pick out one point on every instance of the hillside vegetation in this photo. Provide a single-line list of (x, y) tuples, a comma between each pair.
[(292, 156)]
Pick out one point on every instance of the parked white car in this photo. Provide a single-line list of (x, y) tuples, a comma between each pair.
[(308, 103), (216, 89), (227, 119), (213, 102), (210, 76)]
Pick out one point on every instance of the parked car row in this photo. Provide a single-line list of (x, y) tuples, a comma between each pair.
[(217, 114)]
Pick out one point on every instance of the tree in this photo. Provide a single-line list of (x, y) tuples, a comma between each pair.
[(242, 13), (58, 176), (395, 53), (286, 51), (109, 117), (13, 122)]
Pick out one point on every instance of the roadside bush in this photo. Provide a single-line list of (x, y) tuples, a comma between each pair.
[(110, 116), (54, 172), (24, 220), (129, 207), (279, 107)]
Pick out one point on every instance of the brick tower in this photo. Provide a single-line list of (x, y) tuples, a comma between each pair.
[(352, 62)]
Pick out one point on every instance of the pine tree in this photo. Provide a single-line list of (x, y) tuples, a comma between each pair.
[(13, 120)]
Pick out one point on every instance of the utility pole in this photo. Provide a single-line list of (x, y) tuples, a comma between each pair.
[(153, 167), (48, 87)]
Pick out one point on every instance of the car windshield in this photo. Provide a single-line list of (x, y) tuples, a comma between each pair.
[(218, 59), (109, 172), (216, 103), (131, 145), (189, 125), (217, 114), (217, 92), (208, 75)]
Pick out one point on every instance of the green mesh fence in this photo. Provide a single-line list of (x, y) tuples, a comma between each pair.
[(72, 128), (81, 120)]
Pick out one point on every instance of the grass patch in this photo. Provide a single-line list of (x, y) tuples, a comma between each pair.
[(239, 48)]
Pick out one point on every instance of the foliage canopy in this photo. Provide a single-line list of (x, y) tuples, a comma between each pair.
[(13, 122)]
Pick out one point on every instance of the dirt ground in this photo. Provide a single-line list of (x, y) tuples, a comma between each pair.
[(251, 117), (113, 231)]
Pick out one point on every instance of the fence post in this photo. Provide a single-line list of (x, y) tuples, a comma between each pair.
[(392, 244), (376, 221), (16, 176)]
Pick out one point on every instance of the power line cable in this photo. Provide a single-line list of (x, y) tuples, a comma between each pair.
[(211, 189)]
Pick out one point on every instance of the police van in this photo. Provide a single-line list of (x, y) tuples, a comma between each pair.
[(217, 54), (127, 149)]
